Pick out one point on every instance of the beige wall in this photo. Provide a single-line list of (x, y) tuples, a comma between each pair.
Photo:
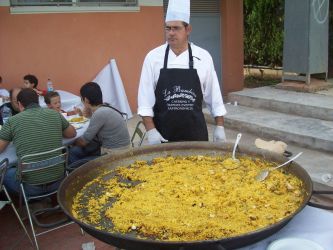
[(72, 48)]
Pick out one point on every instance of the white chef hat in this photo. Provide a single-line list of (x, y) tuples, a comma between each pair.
[(178, 10)]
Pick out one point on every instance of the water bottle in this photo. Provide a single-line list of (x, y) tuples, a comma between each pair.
[(6, 113), (49, 85)]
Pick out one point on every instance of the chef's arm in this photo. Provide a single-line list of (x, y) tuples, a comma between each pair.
[(148, 122), (219, 120)]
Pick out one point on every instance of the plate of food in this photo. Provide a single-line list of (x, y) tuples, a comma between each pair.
[(78, 119)]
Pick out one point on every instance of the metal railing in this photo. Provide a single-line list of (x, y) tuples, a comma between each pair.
[(122, 3)]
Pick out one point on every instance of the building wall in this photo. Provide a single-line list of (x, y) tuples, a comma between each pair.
[(71, 48), (232, 45)]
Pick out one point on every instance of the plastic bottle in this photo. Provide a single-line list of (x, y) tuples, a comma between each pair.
[(6, 113), (49, 85)]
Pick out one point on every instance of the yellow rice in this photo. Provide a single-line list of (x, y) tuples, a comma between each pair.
[(188, 198)]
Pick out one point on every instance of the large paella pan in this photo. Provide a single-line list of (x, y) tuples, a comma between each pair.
[(77, 180)]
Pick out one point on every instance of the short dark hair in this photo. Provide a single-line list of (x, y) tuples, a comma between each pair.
[(32, 79), (49, 95), (27, 97), (92, 91)]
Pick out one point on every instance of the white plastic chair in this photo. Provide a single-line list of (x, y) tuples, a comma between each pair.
[(42, 169)]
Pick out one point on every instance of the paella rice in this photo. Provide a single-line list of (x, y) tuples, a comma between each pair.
[(188, 198)]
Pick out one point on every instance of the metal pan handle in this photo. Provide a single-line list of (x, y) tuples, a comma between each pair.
[(317, 205)]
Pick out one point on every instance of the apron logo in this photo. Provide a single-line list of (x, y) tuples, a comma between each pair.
[(179, 99), (176, 89)]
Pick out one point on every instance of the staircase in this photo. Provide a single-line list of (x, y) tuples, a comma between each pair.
[(304, 119)]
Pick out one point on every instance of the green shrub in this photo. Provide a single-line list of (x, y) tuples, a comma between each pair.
[(263, 32)]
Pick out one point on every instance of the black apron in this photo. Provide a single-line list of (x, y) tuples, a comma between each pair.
[(178, 108)]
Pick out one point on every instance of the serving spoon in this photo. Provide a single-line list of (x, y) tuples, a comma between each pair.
[(264, 173), (233, 162), (239, 136)]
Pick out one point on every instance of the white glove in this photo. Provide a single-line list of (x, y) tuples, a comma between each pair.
[(219, 134), (154, 137)]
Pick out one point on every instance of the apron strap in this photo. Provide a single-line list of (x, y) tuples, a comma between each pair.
[(189, 55), (166, 57)]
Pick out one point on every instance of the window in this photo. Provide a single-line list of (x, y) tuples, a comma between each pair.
[(200, 6), (123, 3)]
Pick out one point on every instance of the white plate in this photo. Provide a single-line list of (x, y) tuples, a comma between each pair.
[(294, 244)]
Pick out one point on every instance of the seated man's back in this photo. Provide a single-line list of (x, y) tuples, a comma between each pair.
[(109, 127), (33, 130), (107, 130)]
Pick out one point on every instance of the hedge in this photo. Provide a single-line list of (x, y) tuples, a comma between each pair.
[(263, 32)]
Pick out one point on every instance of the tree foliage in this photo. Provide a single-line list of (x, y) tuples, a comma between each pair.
[(263, 28)]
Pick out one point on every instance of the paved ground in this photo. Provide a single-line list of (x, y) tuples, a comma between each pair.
[(328, 92)]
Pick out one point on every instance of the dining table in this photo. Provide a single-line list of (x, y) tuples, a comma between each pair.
[(10, 151)]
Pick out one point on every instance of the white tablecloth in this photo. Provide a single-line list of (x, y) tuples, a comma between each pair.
[(311, 223), (68, 100), (112, 88), (10, 151)]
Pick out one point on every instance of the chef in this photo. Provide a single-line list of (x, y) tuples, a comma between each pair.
[(176, 78)]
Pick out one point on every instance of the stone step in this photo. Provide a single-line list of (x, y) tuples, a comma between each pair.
[(307, 132), (290, 102)]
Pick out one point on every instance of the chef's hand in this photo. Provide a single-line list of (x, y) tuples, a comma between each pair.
[(154, 137), (219, 134)]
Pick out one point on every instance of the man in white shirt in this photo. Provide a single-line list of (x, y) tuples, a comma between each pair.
[(175, 79), (3, 92)]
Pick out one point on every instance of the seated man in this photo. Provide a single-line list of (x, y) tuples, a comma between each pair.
[(33, 130), (53, 101), (3, 92), (31, 82), (107, 130), (12, 105)]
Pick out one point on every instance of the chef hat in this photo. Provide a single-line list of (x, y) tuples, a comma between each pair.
[(178, 10)]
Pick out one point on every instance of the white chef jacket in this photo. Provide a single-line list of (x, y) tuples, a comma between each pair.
[(204, 65)]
